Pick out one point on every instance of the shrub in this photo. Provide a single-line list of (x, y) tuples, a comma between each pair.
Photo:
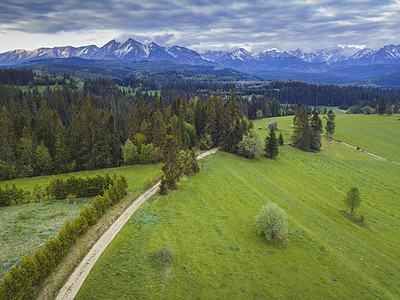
[(9, 195), (272, 222)]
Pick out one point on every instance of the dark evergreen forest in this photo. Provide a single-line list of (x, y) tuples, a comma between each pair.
[(68, 126)]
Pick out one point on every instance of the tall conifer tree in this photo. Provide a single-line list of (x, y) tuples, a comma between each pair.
[(271, 144)]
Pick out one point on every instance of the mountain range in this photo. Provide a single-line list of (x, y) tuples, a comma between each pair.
[(341, 64)]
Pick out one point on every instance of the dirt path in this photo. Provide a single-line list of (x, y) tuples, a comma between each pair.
[(75, 281)]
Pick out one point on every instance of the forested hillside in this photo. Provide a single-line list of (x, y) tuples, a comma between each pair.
[(54, 124)]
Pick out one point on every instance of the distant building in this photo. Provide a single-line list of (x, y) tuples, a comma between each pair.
[(272, 123)]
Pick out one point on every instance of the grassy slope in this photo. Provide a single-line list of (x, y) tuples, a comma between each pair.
[(374, 133), (208, 224), (24, 228)]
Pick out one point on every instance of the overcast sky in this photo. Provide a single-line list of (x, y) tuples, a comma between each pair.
[(200, 24)]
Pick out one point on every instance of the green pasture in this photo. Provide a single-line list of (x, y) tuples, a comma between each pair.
[(374, 133), (24, 228), (200, 241), (379, 134)]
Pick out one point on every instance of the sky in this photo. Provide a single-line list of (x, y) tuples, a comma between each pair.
[(200, 24)]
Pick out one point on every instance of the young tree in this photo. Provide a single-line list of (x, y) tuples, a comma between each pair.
[(271, 144), (330, 123), (249, 146), (280, 139), (129, 152), (272, 222), (259, 114), (43, 160), (352, 199)]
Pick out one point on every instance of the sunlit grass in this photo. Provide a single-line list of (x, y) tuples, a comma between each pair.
[(208, 227)]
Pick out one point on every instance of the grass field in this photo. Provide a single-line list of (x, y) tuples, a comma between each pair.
[(24, 228), (374, 133), (207, 226)]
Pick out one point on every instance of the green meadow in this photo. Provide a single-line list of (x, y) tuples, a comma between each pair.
[(25, 227), (200, 241), (374, 133)]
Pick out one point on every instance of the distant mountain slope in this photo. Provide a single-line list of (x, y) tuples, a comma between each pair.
[(84, 68), (341, 64)]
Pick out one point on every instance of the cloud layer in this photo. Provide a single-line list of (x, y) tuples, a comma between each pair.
[(204, 24)]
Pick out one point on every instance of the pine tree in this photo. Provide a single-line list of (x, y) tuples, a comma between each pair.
[(382, 106), (158, 131), (26, 150), (174, 129), (271, 144), (301, 131), (330, 123), (280, 139), (315, 132), (172, 167), (7, 139), (163, 187)]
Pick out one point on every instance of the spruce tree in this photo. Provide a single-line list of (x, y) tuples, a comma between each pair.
[(330, 123), (315, 132), (280, 139), (158, 131), (301, 131), (271, 144), (172, 167), (163, 187)]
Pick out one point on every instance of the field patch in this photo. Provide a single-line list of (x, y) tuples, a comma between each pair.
[(25, 228), (374, 133)]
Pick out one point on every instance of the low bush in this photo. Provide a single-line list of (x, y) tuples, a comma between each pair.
[(11, 195), (272, 222)]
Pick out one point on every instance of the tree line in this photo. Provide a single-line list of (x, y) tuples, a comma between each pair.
[(38, 139)]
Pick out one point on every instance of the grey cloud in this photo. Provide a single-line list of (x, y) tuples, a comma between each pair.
[(274, 23)]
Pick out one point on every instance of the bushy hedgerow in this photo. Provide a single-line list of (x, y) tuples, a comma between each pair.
[(60, 188), (10, 195), (22, 281)]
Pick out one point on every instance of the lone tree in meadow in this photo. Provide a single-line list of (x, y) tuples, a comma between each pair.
[(271, 144), (352, 199), (330, 123), (272, 222)]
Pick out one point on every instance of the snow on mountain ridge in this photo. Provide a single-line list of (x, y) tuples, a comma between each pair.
[(134, 50)]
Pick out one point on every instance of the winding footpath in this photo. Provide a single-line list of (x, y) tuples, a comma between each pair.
[(75, 281)]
